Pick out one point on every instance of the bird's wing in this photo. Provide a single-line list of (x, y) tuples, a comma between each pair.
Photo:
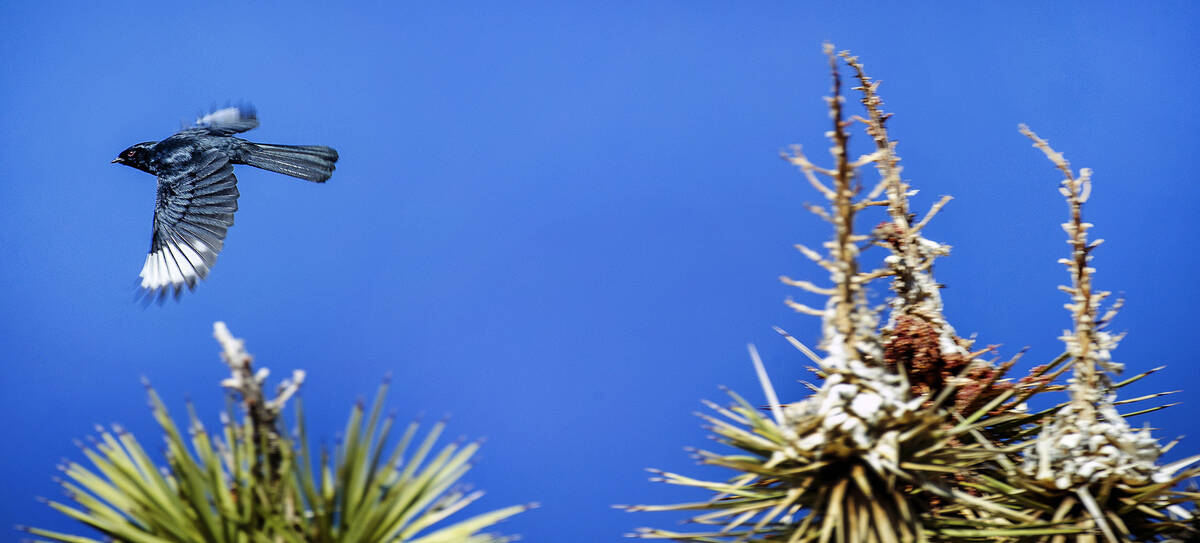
[(228, 121), (193, 210)]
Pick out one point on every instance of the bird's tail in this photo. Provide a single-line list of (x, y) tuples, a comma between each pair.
[(309, 162)]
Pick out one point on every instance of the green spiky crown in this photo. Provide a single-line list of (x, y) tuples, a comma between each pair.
[(250, 482)]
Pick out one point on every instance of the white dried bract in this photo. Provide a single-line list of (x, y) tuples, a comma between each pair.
[(861, 351), (854, 414), (1088, 441), (249, 383), (287, 389), (1070, 453), (233, 350)]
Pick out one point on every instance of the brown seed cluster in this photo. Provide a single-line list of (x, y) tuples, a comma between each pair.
[(913, 345), (982, 386), (886, 232)]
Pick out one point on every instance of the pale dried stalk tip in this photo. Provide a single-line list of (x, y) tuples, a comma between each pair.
[(249, 383), (233, 350)]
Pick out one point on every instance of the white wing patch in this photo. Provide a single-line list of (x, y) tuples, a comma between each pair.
[(176, 265)]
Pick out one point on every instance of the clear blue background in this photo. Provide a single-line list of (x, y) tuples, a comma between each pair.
[(561, 222)]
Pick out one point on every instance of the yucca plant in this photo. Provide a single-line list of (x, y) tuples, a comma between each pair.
[(251, 482), (912, 435), (1087, 468), (869, 454)]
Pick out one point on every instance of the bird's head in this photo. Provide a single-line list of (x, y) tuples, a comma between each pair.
[(137, 156)]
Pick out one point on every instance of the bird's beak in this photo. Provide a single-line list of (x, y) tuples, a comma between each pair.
[(115, 160)]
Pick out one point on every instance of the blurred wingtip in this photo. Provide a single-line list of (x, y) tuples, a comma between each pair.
[(227, 114)]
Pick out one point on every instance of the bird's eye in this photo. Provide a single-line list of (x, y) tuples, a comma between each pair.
[(131, 153)]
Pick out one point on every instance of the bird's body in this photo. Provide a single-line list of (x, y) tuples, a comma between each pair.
[(197, 191)]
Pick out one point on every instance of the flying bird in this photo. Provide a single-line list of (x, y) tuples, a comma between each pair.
[(197, 191)]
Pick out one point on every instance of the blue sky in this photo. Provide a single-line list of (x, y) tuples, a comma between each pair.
[(561, 222)]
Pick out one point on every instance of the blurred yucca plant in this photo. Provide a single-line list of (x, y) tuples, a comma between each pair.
[(1087, 469), (251, 482), (912, 435)]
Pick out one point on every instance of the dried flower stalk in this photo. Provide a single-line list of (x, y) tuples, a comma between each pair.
[(861, 458), (263, 413), (1104, 473)]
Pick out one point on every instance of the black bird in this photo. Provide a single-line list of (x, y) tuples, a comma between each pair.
[(197, 192)]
